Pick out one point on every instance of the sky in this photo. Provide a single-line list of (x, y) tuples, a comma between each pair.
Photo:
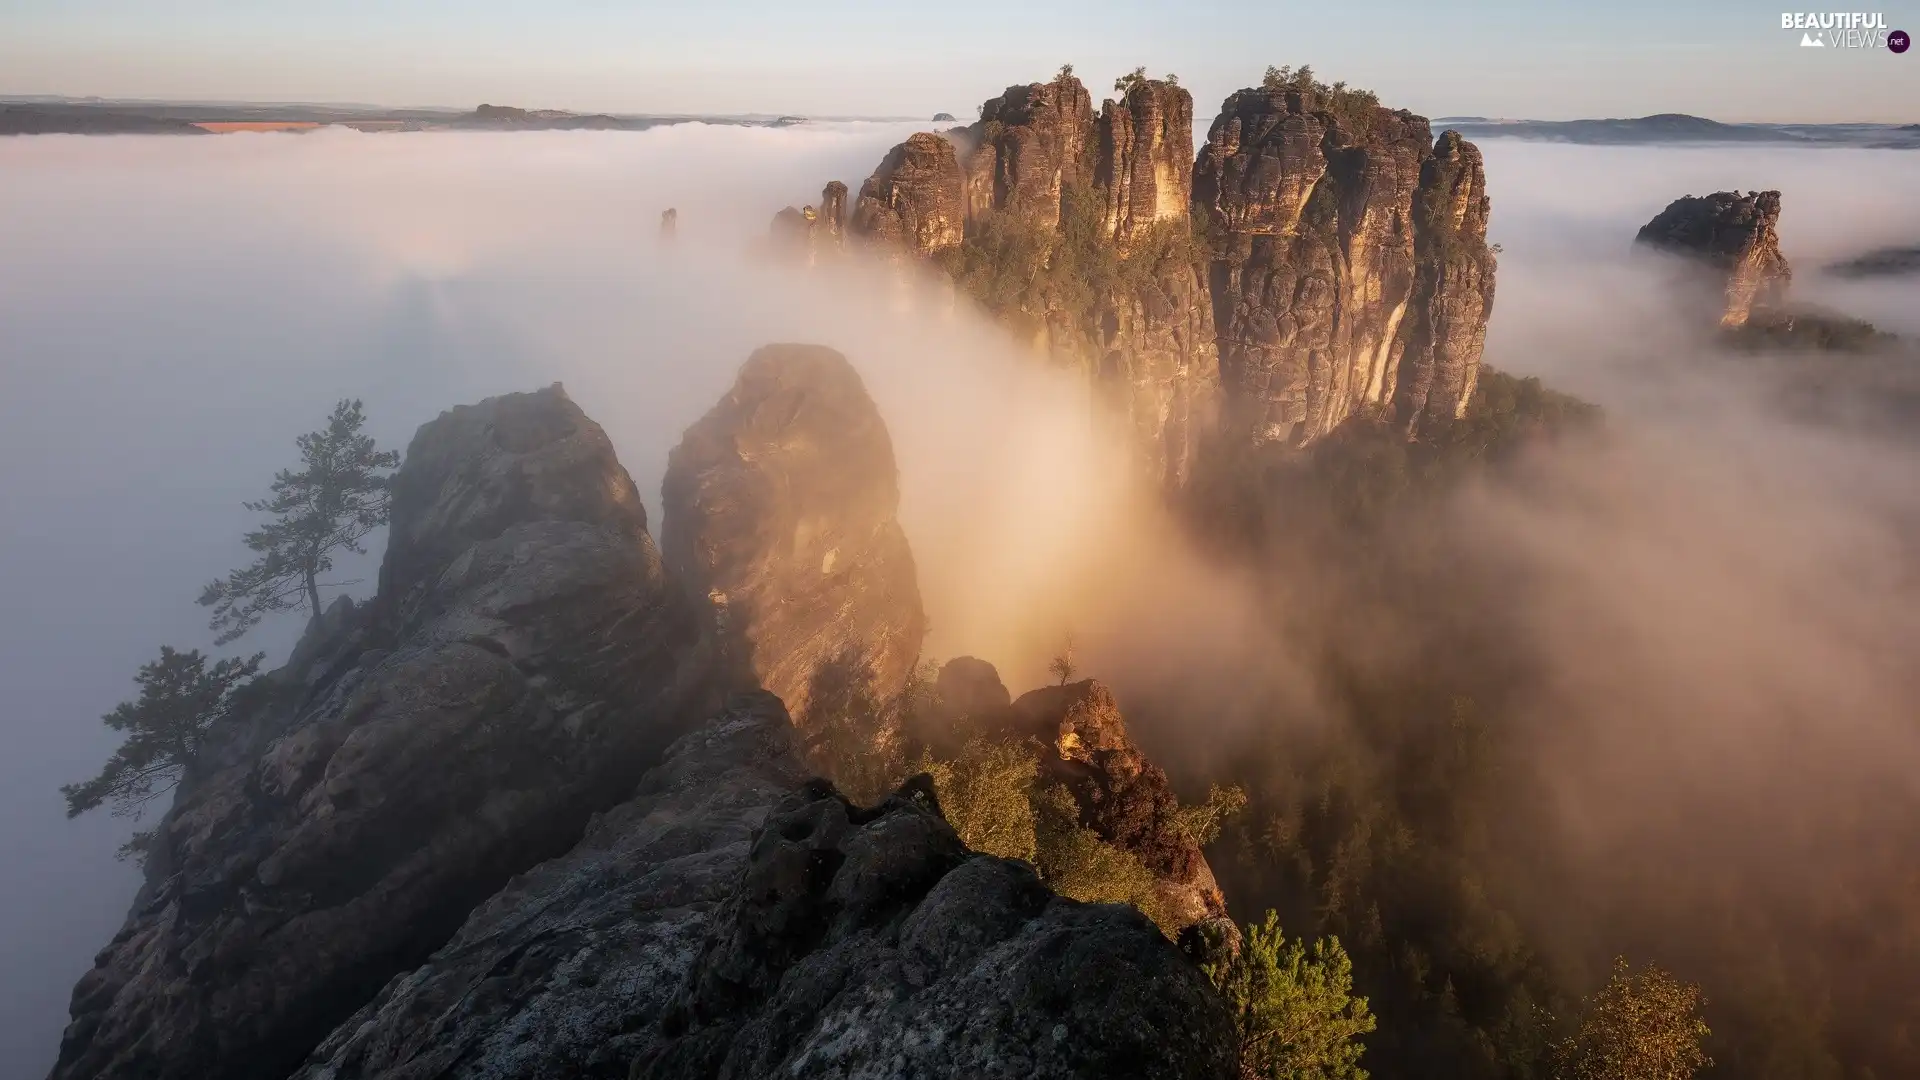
[(1545, 59)]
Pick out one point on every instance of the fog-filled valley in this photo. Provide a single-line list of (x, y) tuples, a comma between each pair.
[(1644, 685)]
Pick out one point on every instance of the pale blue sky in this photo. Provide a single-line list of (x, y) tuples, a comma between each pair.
[(1548, 59)]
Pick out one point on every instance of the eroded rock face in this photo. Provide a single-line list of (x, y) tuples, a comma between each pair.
[(1040, 170), (565, 972), (523, 653), (1733, 238), (915, 200), (872, 943), (1321, 242), (1083, 743), (781, 510), (1123, 797), (1452, 288), (813, 233), (1145, 162)]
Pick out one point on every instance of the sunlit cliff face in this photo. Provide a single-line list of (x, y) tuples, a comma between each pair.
[(1714, 598)]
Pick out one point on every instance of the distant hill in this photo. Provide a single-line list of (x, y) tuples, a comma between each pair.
[(1683, 128), (81, 120)]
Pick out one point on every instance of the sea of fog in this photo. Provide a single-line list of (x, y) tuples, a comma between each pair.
[(173, 311)]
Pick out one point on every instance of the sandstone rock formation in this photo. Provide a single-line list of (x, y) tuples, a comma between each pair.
[(1328, 261), (781, 509), (913, 201), (732, 920), (1123, 797), (1349, 271), (1074, 228), (1452, 288), (813, 233), (1733, 238), (1083, 743), (565, 971), (523, 652), (872, 943)]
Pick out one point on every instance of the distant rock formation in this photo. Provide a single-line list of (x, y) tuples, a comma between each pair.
[(1880, 262), (443, 738), (1733, 238), (1343, 266), (1345, 234), (943, 118), (669, 223), (810, 233), (781, 508), (1041, 181)]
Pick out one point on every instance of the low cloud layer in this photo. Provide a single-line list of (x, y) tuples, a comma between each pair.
[(175, 310)]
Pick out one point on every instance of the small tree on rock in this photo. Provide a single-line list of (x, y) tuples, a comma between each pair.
[(181, 699), (330, 505), (1062, 666), (1294, 1007)]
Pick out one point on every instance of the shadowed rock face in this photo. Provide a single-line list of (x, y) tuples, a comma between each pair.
[(781, 509), (813, 233), (1328, 262), (524, 656), (872, 943), (564, 972), (1733, 238)]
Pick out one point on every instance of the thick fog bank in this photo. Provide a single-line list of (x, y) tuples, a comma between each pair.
[(173, 312)]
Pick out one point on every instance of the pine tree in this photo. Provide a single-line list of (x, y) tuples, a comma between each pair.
[(182, 697), (334, 501), (1297, 1016)]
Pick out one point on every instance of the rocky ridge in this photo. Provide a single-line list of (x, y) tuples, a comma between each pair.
[(523, 653), (434, 845)]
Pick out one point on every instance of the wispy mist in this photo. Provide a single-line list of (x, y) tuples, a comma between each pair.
[(174, 311)]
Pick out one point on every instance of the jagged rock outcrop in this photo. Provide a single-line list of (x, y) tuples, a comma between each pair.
[(914, 201), (565, 972), (733, 920), (522, 661), (669, 223), (814, 233), (1145, 163), (1452, 287), (1097, 202), (1325, 266), (1733, 238), (1123, 797), (781, 510), (1083, 743), (872, 943)]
